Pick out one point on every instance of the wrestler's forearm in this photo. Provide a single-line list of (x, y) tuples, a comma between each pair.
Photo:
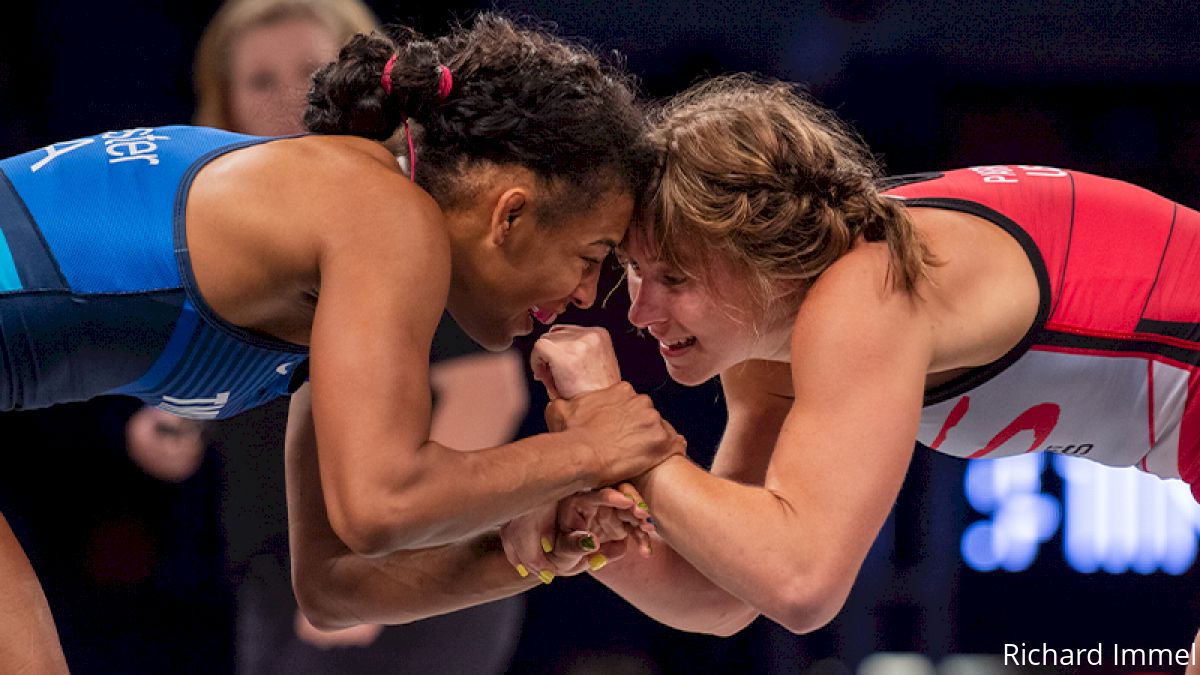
[(343, 589), (670, 590), (451, 494), (433, 495), (749, 542), (336, 587)]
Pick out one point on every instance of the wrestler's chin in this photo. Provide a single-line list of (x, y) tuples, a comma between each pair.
[(494, 337), (496, 343), (688, 374)]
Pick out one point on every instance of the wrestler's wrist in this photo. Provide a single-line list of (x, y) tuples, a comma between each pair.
[(591, 465), (648, 482)]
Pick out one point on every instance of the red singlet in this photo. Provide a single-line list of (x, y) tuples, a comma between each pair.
[(1110, 369)]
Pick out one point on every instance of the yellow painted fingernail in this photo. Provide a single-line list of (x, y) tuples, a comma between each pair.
[(547, 545), (546, 576), (522, 571), (597, 561)]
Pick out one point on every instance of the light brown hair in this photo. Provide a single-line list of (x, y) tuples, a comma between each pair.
[(211, 70), (758, 175)]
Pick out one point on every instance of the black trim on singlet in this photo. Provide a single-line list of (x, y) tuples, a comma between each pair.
[(893, 182), (1181, 330), (1158, 271), (1052, 338), (36, 267), (299, 376), (977, 376), (184, 261)]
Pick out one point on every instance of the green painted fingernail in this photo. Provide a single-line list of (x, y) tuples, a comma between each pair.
[(644, 506), (587, 543)]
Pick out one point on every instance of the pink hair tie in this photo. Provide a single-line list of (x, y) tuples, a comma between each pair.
[(386, 80), (445, 82)]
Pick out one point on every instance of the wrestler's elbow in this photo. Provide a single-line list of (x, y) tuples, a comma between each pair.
[(373, 523), (320, 599), (359, 526), (808, 602), (371, 533), (319, 617)]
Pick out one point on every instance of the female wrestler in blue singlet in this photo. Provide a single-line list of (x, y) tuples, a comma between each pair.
[(201, 271)]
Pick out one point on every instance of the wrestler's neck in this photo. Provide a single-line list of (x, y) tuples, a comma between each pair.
[(773, 343)]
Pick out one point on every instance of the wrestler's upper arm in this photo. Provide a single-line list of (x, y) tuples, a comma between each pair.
[(384, 278)]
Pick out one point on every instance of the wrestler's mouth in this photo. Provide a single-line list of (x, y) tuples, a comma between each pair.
[(675, 347), (543, 316)]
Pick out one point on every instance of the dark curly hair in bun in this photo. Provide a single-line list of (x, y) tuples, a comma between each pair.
[(521, 96)]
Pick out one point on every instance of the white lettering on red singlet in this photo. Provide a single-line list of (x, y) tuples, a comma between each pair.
[(1013, 174)]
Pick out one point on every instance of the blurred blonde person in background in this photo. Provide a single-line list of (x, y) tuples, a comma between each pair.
[(256, 58), (253, 68)]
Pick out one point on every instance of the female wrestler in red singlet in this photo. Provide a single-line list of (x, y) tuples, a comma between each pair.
[(983, 312)]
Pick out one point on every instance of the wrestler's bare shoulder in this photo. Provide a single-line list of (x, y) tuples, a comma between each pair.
[(314, 180), (302, 160), (260, 220)]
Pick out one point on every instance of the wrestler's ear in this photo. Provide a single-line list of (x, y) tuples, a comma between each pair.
[(510, 211)]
